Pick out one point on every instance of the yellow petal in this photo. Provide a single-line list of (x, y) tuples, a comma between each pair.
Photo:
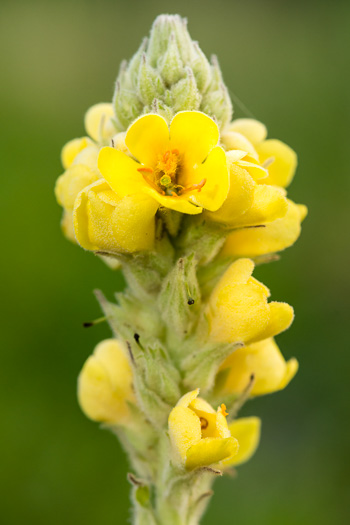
[(281, 317), (269, 204), (177, 203), (120, 171), (67, 225), (239, 198), (184, 431), (292, 367), (104, 221), (88, 156), (71, 150), (209, 451), (252, 129), (276, 236), (265, 361), (282, 169), (247, 431), (233, 140), (254, 169), (75, 179), (194, 134), (147, 138), (98, 121), (215, 171), (238, 273), (105, 384), (187, 399)]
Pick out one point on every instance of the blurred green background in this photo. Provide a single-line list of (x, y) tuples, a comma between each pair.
[(287, 62)]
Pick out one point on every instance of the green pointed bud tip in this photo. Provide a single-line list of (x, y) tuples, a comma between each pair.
[(171, 69)]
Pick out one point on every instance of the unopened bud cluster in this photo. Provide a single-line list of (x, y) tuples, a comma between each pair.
[(186, 202)]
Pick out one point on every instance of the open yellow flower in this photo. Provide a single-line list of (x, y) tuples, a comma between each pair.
[(238, 310), (265, 361), (278, 158), (247, 432), (182, 168), (105, 384), (199, 435), (274, 237), (105, 221)]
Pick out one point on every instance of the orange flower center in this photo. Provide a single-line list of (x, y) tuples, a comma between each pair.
[(165, 176)]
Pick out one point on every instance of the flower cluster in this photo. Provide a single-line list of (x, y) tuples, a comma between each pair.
[(187, 203)]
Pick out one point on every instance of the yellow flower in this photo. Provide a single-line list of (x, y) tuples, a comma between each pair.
[(199, 435), (248, 203), (265, 361), (108, 222), (182, 169), (278, 158), (99, 122), (238, 310), (274, 237), (105, 384), (81, 172), (247, 432)]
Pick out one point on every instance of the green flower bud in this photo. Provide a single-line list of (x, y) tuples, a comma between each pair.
[(169, 73)]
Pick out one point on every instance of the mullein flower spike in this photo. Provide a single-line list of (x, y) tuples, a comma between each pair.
[(186, 201)]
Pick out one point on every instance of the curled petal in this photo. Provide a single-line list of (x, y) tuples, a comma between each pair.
[(184, 431), (217, 181), (98, 121), (71, 150), (252, 129), (247, 432), (209, 451), (276, 236), (282, 162)]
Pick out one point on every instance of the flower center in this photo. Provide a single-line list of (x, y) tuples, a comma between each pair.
[(165, 176)]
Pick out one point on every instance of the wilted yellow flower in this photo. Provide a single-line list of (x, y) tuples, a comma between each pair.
[(238, 309), (182, 169), (108, 222), (265, 361), (278, 158), (199, 435), (274, 237), (105, 384), (247, 432)]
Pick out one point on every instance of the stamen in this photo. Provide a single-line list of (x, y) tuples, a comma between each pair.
[(268, 162), (151, 183), (144, 168), (223, 410), (194, 187), (176, 152), (204, 423)]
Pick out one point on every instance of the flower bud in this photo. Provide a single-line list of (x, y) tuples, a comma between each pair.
[(105, 384), (263, 360), (168, 74), (199, 435), (103, 221), (238, 309)]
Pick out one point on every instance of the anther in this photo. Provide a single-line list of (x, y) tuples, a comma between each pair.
[(144, 168), (204, 423), (194, 187)]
